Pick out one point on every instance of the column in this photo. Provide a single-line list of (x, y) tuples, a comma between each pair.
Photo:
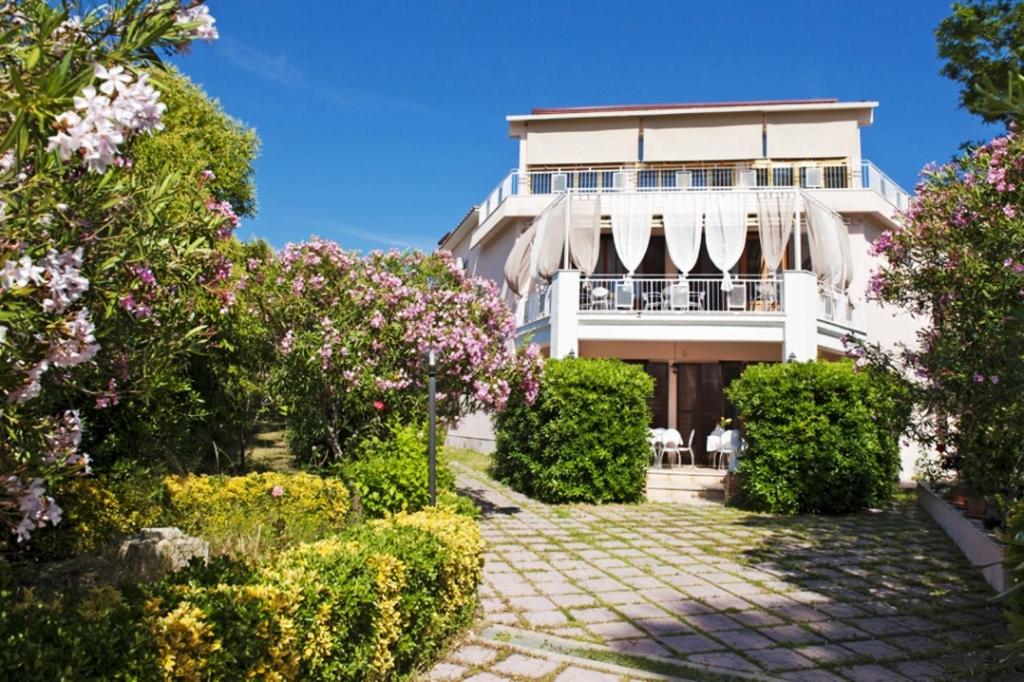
[(565, 303), (800, 304)]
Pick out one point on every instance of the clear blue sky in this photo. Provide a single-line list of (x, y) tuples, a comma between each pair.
[(382, 122)]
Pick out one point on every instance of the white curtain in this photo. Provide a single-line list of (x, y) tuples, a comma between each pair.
[(517, 266), (775, 219), (826, 245), (726, 229), (843, 233), (549, 244), (682, 217), (585, 232), (631, 227)]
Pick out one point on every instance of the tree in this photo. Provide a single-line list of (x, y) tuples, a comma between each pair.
[(354, 333), (958, 265), (105, 274), (983, 45)]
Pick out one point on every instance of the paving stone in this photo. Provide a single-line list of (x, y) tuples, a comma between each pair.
[(810, 676), (780, 659), (616, 630), (920, 670), (756, 618), (713, 622), (790, 634), (639, 647), (623, 597), (873, 648), (486, 677), (691, 644), (662, 626), (573, 600), (473, 655), (837, 631), (595, 615), (826, 653), (636, 611), (871, 673), (742, 640), (574, 674), (531, 603), (729, 661), (544, 619), (529, 667), (446, 671)]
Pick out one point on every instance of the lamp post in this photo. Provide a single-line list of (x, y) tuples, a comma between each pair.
[(432, 423)]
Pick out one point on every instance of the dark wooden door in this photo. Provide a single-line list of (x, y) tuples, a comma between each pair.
[(699, 402), (659, 401)]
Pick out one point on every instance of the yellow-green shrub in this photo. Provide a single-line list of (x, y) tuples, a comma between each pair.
[(376, 602), (248, 515), (101, 508)]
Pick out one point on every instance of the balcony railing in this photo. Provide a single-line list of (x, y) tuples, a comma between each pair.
[(873, 178), (668, 294), (789, 175)]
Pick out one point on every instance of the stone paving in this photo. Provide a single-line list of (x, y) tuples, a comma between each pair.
[(880, 595)]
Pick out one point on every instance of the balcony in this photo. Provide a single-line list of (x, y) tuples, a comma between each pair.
[(823, 176), (789, 309)]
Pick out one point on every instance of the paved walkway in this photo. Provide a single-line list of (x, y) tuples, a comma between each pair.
[(872, 596)]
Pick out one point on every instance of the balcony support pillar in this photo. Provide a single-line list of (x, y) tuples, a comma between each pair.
[(800, 292), (565, 303)]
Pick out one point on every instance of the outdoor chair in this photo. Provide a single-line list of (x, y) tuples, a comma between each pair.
[(624, 296), (737, 298), (599, 299), (671, 441), (679, 297), (729, 446), (655, 441), (688, 448)]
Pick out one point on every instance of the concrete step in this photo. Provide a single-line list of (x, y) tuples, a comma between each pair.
[(686, 484)]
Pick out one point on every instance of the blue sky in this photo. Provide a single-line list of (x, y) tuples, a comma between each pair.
[(382, 122)]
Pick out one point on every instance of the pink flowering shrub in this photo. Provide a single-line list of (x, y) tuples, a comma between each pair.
[(958, 264), (102, 279), (355, 331)]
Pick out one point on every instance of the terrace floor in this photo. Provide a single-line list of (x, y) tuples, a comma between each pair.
[(674, 591)]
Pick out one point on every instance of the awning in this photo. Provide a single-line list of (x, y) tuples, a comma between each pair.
[(725, 228), (830, 246), (549, 244), (631, 226), (517, 266), (585, 232), (775, 217), (683, 218)]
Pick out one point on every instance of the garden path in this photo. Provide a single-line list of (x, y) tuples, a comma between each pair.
[(709, 592)]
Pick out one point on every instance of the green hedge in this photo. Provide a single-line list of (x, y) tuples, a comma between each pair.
[(389, 475), (585, 437), (376, 602), (820, 437)]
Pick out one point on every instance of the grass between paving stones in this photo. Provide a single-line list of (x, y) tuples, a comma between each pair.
[(789, 545), (654, 666)]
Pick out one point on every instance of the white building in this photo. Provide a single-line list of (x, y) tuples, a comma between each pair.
[(668, 235)]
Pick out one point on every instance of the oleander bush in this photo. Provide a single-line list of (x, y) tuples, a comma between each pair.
[(372, 603), (389, 474), (260, 512), (819, 437), (584, 439)]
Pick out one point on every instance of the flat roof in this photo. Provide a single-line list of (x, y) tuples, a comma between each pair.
[(617, 110)]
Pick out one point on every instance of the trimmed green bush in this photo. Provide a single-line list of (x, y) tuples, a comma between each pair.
[(377, 602), (585, 437), (820, 437), (389, 475)]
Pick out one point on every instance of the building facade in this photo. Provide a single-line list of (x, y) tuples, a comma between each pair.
[(693, 239)]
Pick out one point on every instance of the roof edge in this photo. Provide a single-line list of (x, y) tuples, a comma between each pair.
[(554, 113)]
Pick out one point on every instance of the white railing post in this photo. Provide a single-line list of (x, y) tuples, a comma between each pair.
[(800, 303), (565, 303)]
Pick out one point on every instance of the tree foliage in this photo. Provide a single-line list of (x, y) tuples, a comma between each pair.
[(982, 44), (957, 264)]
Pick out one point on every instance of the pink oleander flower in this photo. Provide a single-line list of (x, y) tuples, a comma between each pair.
[(276, 491)]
